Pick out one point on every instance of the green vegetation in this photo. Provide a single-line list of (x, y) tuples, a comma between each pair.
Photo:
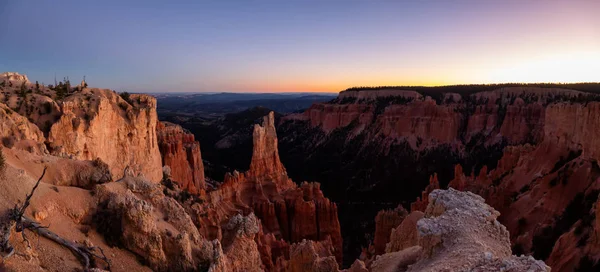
[(62, 89), (589, 87), (23, 90), (126, 97)]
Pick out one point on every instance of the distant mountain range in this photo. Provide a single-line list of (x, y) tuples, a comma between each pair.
[(218, 104)]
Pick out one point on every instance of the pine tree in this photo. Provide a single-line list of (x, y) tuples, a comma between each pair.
[(60, 91)]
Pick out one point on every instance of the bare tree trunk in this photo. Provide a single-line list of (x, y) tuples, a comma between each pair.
[(16, 219)]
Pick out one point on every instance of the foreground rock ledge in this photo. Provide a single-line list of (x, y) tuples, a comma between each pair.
[(459, 232)]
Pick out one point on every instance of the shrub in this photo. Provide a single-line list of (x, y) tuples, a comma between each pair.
[(126, 97), (8, 141), (108, 222), (47, 107)]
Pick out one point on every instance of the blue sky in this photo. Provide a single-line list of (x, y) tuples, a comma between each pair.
[(298, 45)]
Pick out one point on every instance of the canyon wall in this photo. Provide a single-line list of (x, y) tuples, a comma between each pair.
[(384, 145), (289, 213), (514, 114), (181, 153), (547, 193)]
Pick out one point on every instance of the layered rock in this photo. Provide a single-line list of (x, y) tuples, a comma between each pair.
[(289, 213), (265, 163), (385, 221), (136, 214), (100, 124), (545, 192), (406, 234), (311, 256), (572, 125), (17, 130), (421, 203), (371, 95), (181, 152), (459, 232), (382, 144)]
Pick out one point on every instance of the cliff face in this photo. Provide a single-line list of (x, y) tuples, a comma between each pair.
[(572, 125), (289, 213), (17, 130), (457, 232), (383, 146), (385, 221), (100, 124), (181, 153), (407, 115), (547, 193), (265, 163)]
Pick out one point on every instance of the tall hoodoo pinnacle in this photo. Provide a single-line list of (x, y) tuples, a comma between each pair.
[(265, 155)]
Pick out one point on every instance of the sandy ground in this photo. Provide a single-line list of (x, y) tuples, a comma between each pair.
[(66, 210)]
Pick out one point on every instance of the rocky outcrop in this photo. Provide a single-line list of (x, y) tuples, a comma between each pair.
[(311, 256), (265, 163), (383, 144), (385, 221), (459, 232), (571, 125), (405, 235), (100, 124), (136, 214), (181, 153), (16, 130), (288, 213), (239, 246), (14, 77), (410, 116), (421, 203)]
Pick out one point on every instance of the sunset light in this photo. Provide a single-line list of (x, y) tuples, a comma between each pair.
[(563, 68), (302, 46)]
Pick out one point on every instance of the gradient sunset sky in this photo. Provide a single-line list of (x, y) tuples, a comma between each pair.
[(279, 46)]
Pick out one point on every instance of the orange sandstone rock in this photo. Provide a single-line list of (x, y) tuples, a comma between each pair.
[(182, 154)]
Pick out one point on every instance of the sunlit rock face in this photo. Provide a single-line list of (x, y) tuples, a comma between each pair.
[(99, 123)]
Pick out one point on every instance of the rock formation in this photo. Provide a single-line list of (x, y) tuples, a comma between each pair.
[(422, 202), (287, 211), (385, 221), (99, 123), (14, 77), (181, 153), (458, 232), (546, 185), (405, 235), (16, 130), (383, 145), (312, 256)]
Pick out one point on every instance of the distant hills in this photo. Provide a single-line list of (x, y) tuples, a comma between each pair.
[(210, 105)]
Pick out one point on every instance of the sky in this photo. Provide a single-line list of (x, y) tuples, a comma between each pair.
[(299, 46)]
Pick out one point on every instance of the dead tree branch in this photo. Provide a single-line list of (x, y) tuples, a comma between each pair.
[(17, 219)]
